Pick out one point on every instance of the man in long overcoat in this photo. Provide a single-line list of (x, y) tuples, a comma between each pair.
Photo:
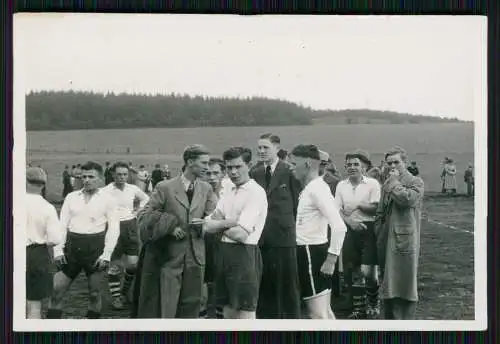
[(398, 237)]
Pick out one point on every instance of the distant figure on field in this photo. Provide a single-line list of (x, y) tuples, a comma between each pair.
[(142, 178), (77, 175), (413, 169), (469, 179), (67, 187), (108, 174), (166, 172), (132, 174), (156, 176), (450, 180), (282, 154)]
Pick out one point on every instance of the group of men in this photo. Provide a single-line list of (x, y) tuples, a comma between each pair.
[(228, 239)]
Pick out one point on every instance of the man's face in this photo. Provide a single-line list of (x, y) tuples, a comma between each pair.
[(299, 167), (322, 167), (395, 162), (268, 151), (214, 175), (121, 175), (199, 166), (237, 171), (354, 167), (90, 180)]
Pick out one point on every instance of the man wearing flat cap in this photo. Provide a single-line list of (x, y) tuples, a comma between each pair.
[(42, 230), (358, 197)]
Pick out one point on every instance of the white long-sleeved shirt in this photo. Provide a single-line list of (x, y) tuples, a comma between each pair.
[(247, 204), (42, 223), (316, 210), (78, 216), (126, 198)]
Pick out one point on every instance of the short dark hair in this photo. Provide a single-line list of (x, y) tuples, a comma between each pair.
[(236, 152), (121, 164), (142, 166), (217, 161), (91, 165), (271, 137), (193, 152), (306, 151)]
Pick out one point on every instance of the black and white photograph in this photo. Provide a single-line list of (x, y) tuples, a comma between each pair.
[(212, 172)]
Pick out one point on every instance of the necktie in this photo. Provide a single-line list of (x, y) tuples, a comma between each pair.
[(268, 176), (190, 192)]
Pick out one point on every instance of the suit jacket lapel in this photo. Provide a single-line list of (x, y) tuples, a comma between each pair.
[(259, 175), (276, 177), (197, 196), (180, 193)]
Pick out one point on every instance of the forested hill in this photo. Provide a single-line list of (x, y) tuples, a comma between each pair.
[(87, 110)]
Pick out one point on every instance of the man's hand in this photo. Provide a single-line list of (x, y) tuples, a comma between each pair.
[(328, 267), (347, 211), (60, 261), (355, 225), (101, 264), (178, 233)]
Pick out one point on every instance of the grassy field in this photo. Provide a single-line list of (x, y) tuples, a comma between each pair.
[(446, 281), (426, 144)]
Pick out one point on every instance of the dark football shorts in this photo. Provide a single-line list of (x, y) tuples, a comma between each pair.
[(360, 247), (81, 252), (239, 273), (128, 242), (212, 243), (39, 280), (310, 259)]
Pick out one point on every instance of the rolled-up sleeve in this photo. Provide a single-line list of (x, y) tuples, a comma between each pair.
[(252, 211)]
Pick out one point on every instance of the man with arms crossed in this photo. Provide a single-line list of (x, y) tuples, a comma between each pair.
[(398, 236), (279, 292), (182, 267), (240, 215), (127, 247), (358, 197), (42, 229), (316, 210), (88, 245)]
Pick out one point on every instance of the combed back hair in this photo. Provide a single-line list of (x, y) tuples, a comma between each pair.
[(271, 137), (91, 165), (217, 161), (396, 150), (306, 151), (120, 164), (236, 152), (193, 152)]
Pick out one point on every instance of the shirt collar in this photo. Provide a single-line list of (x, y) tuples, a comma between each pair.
[(362, 181), (98, 192), (273, 165), (186, 181), (242, 186)]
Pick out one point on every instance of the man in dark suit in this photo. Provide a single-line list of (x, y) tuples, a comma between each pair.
[(182, 259), (279, 296)]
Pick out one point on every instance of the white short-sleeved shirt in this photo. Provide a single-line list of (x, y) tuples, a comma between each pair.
[(348, 196), (316, 210), (125, 199), (248, 205), (42, 223)]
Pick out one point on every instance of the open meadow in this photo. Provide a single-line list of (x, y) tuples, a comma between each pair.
[(446, 281)]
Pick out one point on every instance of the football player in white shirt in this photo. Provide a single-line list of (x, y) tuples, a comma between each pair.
[(88, 245), (42, 230), (129, 200), (316, 210), (240, 215)]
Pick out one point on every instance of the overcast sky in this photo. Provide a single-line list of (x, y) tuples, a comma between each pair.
[(415, 64)]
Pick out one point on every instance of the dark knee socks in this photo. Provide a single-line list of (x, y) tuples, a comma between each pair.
[(128, 279)]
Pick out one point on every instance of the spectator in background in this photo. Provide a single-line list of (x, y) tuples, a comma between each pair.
[(376, 174), (67, 187), (282, 154), (413, 169), (142, 178), (108, 174), (156, 176), (132, 174), (167, 173), (450, 180), (469, 179), (77, 175)]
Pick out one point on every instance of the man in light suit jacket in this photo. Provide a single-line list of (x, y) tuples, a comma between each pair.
[(279, 296), (397, 229), (182, 262)]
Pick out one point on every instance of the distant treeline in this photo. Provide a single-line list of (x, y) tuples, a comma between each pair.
[(50, 110)]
